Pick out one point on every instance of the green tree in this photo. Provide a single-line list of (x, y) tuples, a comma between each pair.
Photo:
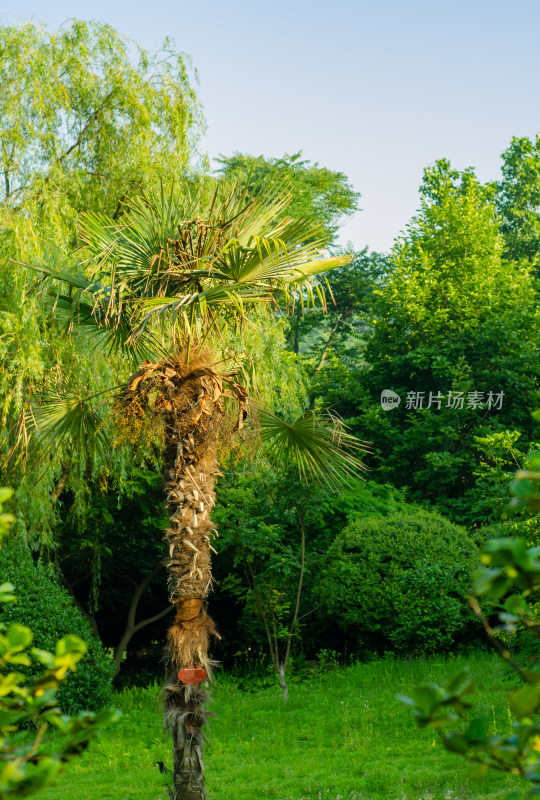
[(48, 610), (517, 197), (453, 319), (341, 331), (327, 197), (258, 516), (118, 586), (316, 192), (274, 534), (86, 116), (169, 279), (268, 533)]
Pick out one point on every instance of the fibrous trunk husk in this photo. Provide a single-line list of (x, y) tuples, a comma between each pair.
[(189, 399)]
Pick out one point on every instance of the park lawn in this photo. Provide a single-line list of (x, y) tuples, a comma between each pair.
[(342, 735)]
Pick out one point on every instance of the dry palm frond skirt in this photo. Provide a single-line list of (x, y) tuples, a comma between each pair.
[(189, 399)]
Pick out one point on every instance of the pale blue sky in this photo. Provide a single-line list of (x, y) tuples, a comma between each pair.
[(377, 90)]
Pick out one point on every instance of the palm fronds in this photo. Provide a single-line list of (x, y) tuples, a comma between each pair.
[(174, 266), (66, 416), (317, 444)]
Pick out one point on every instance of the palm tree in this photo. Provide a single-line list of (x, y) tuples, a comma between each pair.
[(165, 284)]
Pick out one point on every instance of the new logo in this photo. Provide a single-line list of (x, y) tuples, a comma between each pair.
[(389, 399)]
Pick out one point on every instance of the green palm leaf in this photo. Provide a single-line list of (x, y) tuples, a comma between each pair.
[(317, 444), (67, 416), (112, 333), (176, 268)]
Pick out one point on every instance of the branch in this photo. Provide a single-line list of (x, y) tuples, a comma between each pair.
[(299, 591), (339, 321), (132, 628), (311, 610), (61, 482), (77, 143), (273, 652), (503, 652), (155, 618), (93, 116)]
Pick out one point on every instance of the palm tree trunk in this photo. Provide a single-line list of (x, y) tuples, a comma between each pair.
[(189, 400), (192, 426)]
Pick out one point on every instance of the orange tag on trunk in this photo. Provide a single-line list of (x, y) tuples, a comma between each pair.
[(192, 675)]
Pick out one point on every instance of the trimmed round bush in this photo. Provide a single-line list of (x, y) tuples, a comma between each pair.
[(400, 582), (49, 611)]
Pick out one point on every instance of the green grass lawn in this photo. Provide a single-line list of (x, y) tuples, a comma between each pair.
[(342, 735)]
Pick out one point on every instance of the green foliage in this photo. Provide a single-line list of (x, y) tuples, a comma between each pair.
[(454, 235), (257, 513), (497, 455), (323, 197), (86, 112), (510, 576), (6, 519), (339, 330), (317, 192), (47, 609), (525, 486), (317, 444), (437, 329), (280, 381), (154, 273), (400, 582), (342, 735), (87, 118), (517, 197), (524, 527), (109, 546), (28, 768), (260, 539)]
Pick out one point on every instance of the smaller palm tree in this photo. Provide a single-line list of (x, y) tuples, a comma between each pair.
[(165, 286)]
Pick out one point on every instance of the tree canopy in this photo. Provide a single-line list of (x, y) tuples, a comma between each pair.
[(317, 192), (87, 116), (447, 329)]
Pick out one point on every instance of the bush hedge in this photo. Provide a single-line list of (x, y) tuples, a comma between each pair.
[(48, 610), (400, 582)]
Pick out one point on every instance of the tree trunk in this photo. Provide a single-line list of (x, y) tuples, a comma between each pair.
[(191, 432), (188, 777), (283, 665), (322, 358), (283, 682), (188, 397), (131, 627)]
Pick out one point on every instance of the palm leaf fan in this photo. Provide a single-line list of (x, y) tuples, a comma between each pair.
[(317, 444)]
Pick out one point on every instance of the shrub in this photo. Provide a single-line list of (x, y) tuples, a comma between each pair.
[(29, 767), (47, 608), (527, 528), (400, 582)]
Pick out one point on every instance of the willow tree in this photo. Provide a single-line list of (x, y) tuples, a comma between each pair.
[(166, 284), (86, 115)]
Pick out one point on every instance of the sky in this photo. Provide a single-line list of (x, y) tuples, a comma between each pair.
[(377, 90)]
